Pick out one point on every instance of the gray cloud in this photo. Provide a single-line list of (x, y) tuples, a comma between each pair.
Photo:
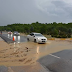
[(65, 11), (58, 10), (62, 6), (28, 11)]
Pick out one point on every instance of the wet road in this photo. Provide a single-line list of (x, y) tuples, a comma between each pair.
[(22, 38), (58, 62)]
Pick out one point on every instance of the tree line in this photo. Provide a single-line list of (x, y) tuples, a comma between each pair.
[(59, 30)]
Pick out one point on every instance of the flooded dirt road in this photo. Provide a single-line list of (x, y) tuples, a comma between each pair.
[(26, 54)]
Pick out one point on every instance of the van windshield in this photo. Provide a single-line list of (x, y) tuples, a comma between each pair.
[(38, 35)]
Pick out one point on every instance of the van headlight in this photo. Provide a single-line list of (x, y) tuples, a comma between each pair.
[(46, 38), (38, 38)]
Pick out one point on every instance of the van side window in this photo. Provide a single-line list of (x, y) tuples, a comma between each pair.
[(32, 34)]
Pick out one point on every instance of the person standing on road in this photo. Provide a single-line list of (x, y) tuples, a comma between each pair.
[(1, 32)]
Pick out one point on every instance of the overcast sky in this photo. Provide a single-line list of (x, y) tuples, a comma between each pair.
[(28, 11)]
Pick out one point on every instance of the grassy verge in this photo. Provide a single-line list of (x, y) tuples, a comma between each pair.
[(48, 36)]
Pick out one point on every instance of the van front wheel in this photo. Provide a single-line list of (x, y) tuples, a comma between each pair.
[(27, 39), (35, 40)]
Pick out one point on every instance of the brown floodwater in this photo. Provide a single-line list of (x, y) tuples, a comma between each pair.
[(28, 53)]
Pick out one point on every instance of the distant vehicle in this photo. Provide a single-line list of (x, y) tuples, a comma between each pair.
[(36, 37), (9, 32), (16, 33)]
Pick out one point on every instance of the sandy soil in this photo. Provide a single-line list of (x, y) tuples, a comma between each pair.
[(28, 53)]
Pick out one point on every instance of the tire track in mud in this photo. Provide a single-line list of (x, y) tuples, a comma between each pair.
[(22, 52)]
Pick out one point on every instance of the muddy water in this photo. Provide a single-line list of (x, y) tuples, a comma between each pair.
[(28, 53)]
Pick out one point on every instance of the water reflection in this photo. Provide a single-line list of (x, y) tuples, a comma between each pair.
[(37, 49), (10, 36), (42, 48), (14, 48), (37, 52)]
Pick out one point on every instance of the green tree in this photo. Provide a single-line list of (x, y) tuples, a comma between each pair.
[(54, 33), (43, 29)]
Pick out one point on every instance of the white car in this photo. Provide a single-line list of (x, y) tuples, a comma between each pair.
[(36, 37)]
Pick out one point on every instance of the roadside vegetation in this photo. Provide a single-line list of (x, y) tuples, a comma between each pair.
[(58, 30)]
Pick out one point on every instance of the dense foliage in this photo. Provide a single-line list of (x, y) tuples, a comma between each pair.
[(59, 30)]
